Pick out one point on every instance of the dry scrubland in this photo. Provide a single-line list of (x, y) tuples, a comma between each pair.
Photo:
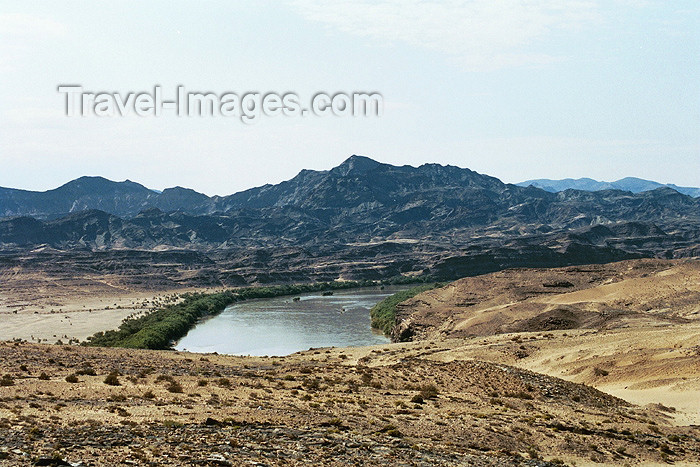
[(491, 378), (383, 405)]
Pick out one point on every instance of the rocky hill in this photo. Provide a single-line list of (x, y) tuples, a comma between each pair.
[(362, 219)]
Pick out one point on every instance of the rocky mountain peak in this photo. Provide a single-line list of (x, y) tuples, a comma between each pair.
[(356, 165)]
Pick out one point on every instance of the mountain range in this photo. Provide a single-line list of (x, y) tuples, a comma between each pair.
[(633, 184), (359, 182), (361, 219)]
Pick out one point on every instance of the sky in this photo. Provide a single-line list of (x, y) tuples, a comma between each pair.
[(516, 89)]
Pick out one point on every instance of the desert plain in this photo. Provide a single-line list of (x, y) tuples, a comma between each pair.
[(584, 365)]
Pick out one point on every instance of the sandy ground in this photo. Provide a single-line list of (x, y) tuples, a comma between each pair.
[(76, 313), (636, 327), (43, 327), (656, 373)]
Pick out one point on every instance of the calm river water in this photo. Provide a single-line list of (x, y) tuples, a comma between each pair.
[(280, 326)]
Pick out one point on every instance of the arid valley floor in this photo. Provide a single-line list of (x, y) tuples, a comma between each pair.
[(588, 365)]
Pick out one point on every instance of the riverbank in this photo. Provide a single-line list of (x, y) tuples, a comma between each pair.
[(158, 329), (383, 314), (75, 298), (288, 324)]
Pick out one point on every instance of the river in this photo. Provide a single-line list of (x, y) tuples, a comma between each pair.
[(281, 326)]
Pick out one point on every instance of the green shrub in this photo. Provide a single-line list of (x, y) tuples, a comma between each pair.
[(383, 314)]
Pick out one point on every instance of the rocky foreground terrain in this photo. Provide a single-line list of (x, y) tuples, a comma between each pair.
[(486, 380), (373, 406)]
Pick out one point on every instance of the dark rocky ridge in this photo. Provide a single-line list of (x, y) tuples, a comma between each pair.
[(362, 219)]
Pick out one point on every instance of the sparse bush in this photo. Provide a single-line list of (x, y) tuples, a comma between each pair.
[(167, 378), (7, 380), (391, 430), (122, 412), (174, 387), (417, 399), (224, 382), (532, 452), (112, 379), (312, 384), (428, 391), (335, 422), (73, 378), (44, 377), (86, 371)]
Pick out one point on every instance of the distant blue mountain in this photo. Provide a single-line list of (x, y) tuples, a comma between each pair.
[(633, 184)]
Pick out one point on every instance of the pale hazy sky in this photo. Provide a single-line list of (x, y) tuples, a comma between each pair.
[(515, 89)]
